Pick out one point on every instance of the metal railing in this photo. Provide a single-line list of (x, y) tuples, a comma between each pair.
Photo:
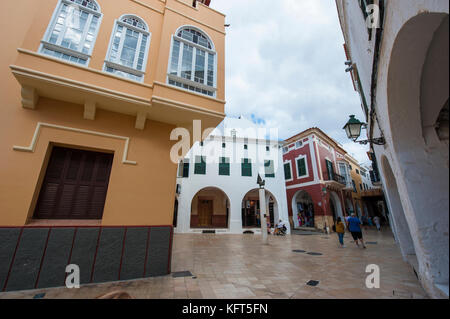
[(334, 177)]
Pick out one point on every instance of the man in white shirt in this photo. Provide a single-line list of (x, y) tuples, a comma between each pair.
[(376, 219), (279, 227)]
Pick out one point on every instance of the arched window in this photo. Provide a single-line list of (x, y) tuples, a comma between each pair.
[(72, 32), (128, 50), (193, 62)]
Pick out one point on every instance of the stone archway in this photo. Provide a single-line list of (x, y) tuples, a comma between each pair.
[(210, 208), (302, 209), (336, 206), (417, 97), (251, 208)]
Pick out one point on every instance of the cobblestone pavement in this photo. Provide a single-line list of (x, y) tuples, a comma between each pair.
[(239, 266)]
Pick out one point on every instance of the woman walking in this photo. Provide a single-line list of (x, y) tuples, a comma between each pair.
[(340, 230)]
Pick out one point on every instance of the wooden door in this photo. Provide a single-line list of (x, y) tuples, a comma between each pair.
[(75, 185), (205, 211)]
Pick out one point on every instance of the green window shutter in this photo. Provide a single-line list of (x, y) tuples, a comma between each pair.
[(269, 169), (200, 165), (330, 170), (224, 167), (301, 164), (246, 167), (287, 171), (186, 169)]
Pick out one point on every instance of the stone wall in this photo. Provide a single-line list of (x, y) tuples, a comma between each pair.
[(33, 258)]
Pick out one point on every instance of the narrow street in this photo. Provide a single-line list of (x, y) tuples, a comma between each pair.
[(238, 266)]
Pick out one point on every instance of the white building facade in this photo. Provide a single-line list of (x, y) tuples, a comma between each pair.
[(217, 188), (401, 71)]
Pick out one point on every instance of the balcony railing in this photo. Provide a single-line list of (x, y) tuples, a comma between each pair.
[(334, 177)]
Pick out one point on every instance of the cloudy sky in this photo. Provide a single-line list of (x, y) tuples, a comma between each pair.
[(285, 67)]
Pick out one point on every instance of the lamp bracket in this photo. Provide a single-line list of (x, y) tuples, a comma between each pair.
[(376, 141)]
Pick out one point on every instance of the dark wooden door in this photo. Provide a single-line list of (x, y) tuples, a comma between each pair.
[(75, 185), (205, 212)]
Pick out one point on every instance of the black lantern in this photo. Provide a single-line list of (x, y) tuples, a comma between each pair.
[(353, 131), (353, 128)]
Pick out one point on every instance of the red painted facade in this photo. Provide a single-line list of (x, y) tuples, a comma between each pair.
[(322, 192)]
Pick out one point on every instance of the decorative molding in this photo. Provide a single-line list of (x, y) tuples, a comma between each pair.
[(89, 110), (187, 5), (33, 143), (189, 92), (47, 57), (29, 97), (302, 185), (209, 8), (191, 108), (16, 70), (195, 20)]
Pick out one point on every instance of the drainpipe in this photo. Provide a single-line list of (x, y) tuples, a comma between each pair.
[(378, 39)]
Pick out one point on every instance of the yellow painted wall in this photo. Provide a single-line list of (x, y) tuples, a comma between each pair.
[(358, 181), (137, 195)]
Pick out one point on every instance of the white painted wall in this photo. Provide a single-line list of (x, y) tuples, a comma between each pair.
[(418, 199), (234, 186)]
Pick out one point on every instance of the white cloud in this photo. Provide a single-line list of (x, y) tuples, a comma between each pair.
[(285, 65)]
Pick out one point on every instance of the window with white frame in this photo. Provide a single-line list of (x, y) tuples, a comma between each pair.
[(302, 166), (285, 149), (287, 171), (192, 63), (72, 32), (298, 144), (128, 49)]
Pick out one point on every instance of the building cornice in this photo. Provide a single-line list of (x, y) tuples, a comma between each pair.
[(195, 20), (43, 56), (192, 108)]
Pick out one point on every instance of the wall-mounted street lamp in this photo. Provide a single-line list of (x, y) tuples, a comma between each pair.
[(353, 130)]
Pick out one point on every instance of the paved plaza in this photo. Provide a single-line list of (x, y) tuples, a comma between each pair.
[(239, 266)]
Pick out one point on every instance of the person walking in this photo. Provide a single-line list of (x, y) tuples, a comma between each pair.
[(354, 225), (376, 220), (340, 230), (268, 224)]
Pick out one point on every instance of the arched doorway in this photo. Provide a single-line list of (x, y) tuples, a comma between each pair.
[(251, 209), (303, 209), (417, 102), (210, 209), (349, 206), (336, 207), (358, 210), (366, 210)]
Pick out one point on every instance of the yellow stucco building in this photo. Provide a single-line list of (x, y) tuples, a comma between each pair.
[(357, 185), (90, 93)]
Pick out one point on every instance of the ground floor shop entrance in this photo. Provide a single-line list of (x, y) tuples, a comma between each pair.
[(251, 209), (210, 209), (303, 209)]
